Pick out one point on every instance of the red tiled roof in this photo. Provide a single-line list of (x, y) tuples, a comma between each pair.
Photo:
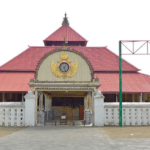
[(15, 82), (147, 77), (101, 59), (131, 82), (70, 35), (109, 82)]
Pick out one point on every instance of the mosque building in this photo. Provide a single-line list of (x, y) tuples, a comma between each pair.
[(65, 73)]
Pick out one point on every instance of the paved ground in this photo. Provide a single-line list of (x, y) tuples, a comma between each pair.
[(9, 130), (127, 132), (68, 138)]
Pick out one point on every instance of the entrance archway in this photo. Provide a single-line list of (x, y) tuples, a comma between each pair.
[(76, 80), (73, 107), (71, 104)]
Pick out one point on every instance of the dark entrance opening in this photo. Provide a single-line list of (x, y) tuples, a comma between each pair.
[(73, 107), (68, 101)]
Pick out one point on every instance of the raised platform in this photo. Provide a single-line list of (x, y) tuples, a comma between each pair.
[(69, 122)]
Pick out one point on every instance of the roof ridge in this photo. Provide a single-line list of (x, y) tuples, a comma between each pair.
[(122, 59), (14, 58)]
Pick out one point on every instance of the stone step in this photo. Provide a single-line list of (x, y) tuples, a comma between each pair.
[(51, 123), (78, 122)]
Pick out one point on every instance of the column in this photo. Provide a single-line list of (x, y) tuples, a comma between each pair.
[(89, 102), (41, 102), (140, 97), (3, 98), (36, 98), (48, 102), (133, 97), (86, 102), (30, 109), (88, 109), (22, 97), (116, 97), (99, 109), (93, 110), (145, 97)]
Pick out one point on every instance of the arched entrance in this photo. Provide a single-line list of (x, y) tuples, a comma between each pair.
[(72, 84)]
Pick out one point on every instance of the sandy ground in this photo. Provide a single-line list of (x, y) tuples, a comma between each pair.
[(9, 130), (126, 132)]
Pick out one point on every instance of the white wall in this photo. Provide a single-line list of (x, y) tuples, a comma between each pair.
[(23, 113), (12, 113), (98, 109), (18, 113), (134, 114), (30, 109)]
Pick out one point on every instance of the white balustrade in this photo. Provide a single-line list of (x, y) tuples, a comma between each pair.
[(133, 114), (12, 113)]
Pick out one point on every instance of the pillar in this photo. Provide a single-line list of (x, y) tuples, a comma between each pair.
[(48, 102), (30, 109), (145, 97), (22, 97), (36, 99), (89, 102), (140, 97), (41, 102), (98, 109), (88, 109), (86, 102), (116, 97), (3, 98), (133, 97), (93, 111)]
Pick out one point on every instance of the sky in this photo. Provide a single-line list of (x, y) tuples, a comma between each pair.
[(26, 23)]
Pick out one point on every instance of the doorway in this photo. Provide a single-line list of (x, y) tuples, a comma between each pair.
[(72, 107)]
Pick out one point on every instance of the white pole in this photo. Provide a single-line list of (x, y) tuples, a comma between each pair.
[(140, 97), (116, 97)]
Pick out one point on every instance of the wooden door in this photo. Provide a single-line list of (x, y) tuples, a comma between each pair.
[(82, 112)]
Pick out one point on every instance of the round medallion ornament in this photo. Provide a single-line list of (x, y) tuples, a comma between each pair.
[(64, 67)]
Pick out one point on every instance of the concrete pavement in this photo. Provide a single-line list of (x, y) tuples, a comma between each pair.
[(68, 138)]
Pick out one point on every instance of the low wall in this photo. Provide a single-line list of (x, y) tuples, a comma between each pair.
[(12, 113), (134, 114)]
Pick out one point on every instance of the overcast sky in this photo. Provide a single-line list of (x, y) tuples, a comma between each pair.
[(102, 23)]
